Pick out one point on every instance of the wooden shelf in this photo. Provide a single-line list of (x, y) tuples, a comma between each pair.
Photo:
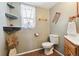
[(10, 5), (11, 29), (10, 16)]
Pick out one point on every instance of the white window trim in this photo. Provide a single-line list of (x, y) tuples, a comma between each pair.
[(35, 15)]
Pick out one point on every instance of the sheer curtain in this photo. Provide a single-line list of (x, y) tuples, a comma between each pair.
[(28, 16)]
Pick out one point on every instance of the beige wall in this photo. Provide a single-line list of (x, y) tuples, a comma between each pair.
[(26, 38), (66, 9)]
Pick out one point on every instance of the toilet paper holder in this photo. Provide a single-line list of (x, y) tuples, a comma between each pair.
[(36, 34)]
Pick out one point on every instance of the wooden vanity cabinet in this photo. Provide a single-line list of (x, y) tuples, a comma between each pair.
[(70, 49)]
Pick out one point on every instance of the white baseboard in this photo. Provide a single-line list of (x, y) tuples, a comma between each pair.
[(36, 50), (59, 52), (28, 51)]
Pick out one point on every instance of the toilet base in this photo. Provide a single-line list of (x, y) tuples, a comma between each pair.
[(48, 51)]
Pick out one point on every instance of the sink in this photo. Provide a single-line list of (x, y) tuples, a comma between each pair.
[(73, 38)]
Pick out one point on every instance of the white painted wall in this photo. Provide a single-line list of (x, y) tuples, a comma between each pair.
[(2, 23), (66, 9)]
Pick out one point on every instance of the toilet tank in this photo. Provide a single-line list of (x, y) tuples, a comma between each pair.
[(54, 38)]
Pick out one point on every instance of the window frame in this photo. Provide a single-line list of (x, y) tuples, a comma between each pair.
[(34, 17)]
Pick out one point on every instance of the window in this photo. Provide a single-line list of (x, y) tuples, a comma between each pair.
[(28, 16)]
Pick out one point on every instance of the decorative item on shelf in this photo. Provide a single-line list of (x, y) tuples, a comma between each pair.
[(10, 5), (10, 16), (42, 19), (11, 24), (56, 17)]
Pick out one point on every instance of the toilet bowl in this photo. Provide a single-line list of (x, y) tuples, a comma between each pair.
[(49, 46)]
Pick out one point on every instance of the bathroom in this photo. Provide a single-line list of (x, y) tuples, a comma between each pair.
[(30, 39)]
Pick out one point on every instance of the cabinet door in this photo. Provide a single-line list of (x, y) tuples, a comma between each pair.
[(69, 48), (67, 52)]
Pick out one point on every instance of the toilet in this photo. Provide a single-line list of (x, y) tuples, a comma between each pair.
[(49, 46)]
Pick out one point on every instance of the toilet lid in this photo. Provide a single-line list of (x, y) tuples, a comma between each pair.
[(47, 44)]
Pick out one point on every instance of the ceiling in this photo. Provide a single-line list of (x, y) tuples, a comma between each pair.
[(47, 5)]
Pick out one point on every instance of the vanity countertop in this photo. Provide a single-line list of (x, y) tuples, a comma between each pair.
[(73, 38)]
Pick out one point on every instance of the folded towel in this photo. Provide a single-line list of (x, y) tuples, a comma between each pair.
[(71, 29)]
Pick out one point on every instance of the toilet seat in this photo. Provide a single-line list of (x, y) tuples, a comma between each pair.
[(47, 44)]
